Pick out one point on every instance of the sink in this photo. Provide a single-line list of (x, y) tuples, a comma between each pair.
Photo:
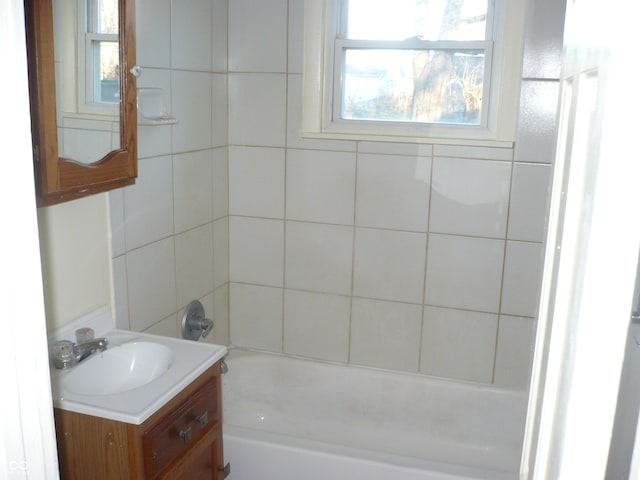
[(135, 376), (119, 369)]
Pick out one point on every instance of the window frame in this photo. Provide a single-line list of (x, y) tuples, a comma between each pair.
[(325, 19)]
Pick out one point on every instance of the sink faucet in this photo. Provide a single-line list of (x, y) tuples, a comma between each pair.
[(83, 350), (66, 354)]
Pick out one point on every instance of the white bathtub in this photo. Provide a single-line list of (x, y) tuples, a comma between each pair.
[(293, 419)]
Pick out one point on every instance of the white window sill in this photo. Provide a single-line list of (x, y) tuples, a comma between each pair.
[(407, 139)]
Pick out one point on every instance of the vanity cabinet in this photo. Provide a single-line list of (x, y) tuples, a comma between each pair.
[(182, 440)]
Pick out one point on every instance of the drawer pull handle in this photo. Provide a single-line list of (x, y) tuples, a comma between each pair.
[(185, 435), (203, 419)]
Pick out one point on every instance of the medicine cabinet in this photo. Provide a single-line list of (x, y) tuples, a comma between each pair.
[(82, 87)]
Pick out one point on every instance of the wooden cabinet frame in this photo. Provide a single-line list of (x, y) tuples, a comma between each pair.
[(60, 179)]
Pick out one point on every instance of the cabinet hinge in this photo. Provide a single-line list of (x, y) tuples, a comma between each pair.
[(226, 470), (36, 153)]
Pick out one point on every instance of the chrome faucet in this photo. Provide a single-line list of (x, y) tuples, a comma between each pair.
[(66, 354), (83, 350)]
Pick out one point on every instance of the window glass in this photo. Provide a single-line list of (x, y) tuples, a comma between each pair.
[(427, 19), (441, 86), (103, 50), (413, 61)]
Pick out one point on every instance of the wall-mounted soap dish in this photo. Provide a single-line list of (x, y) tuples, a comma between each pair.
[(152, 108)]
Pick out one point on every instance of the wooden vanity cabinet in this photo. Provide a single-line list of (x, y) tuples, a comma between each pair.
[(182, 440)]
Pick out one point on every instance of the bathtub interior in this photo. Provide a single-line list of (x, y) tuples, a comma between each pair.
[(396, 415)]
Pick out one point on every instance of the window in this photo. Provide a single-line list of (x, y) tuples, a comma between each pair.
[(420, 68), (100, 90)]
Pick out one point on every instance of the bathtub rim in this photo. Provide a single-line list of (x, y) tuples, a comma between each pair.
[(233, 350)]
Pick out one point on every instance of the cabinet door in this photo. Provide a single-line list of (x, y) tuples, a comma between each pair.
[(202, 462), (185, 426)]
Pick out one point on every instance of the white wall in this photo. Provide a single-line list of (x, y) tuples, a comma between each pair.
[(391, 255), (74, 243), (27, 437), (169, 230), (418, 258)]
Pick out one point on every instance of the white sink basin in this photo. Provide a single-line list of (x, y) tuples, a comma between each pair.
[(136, 375), (119, 369)]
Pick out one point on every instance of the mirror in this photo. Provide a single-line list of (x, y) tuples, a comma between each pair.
[(82, 83)]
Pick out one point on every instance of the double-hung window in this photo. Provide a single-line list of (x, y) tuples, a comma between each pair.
[(99, 48), (421, 68)]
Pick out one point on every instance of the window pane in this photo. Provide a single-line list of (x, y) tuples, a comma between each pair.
[(431, 86), (106, 85), (429, 19), (107, 16)]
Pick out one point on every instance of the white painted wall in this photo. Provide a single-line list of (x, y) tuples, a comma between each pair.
[(74, 241), (27, 439)]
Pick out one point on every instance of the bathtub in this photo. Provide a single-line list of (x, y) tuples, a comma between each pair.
[(292, 419)]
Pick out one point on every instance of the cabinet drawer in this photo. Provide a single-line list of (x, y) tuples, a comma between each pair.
[(181, 428)]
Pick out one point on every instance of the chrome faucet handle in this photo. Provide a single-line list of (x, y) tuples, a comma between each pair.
[(207, 327), (194, 323)]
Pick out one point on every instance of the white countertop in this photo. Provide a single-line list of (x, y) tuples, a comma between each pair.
[(190, 360)]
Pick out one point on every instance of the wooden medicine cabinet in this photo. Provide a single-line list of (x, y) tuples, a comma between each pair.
[(82, 86)]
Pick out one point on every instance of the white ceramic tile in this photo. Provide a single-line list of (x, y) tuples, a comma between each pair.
[(191, 34), (294, 123), (466, 151), (470, 197), (316, 325), (220, 110), (393, 192), (543, 39), (220, 30), (258, 36), (296, 36), (192, 107), (153, 25), (535, 140), (320, 186), (220, 182), (120, 296), (522, 276), (408, 149), (257, 109), (220, 252), (389, 265), (256, 181), (458, 344), (256, 251), (116, 222), (529, 197), (167, 327), (87, 124), (464, 272), (155, 140), (192, 189), (194, 264), (318, 257), (85, 146), (148, 205), (256, 316), (385, 334), (221, 315), (151, 284), (514, 352)]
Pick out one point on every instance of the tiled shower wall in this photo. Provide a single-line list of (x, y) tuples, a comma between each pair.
[(170, 230), (421, 258)]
